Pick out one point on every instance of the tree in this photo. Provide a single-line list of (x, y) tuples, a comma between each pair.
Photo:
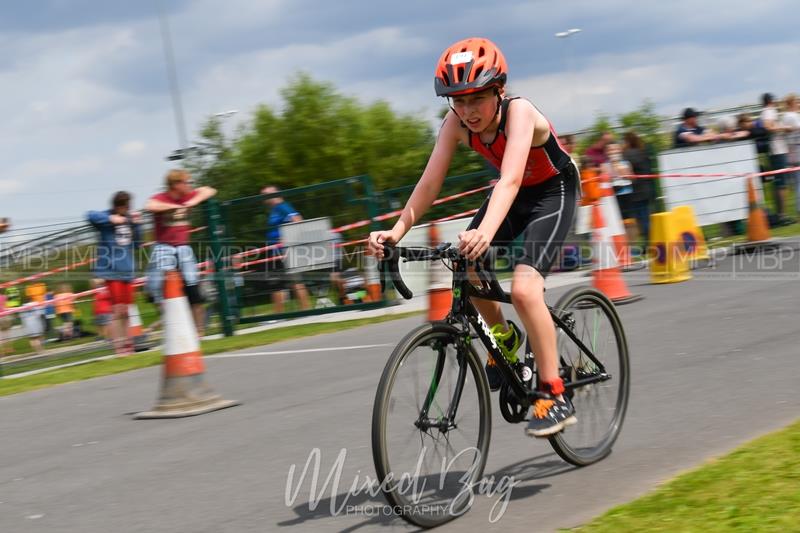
[(317, 135), (647, 124)]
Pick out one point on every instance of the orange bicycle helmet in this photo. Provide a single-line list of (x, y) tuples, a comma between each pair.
[(470, 66)]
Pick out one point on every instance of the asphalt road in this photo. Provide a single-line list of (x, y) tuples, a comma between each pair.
[(714, 364)]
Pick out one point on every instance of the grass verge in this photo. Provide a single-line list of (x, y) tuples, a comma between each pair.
[(754, 488), (115, 366)]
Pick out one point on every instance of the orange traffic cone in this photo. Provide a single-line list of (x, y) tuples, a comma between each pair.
[(440, 295), (372, 279), (606, 275), (184, 391), (757, 226), (135, 331)]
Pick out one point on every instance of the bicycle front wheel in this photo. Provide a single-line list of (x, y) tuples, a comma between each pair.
[(600, 405), (431, 425)]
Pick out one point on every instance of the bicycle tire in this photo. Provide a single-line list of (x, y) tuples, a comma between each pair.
[(424, 336), (565, 443)]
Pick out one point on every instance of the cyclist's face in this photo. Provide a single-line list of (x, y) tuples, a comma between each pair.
[(476, 110)]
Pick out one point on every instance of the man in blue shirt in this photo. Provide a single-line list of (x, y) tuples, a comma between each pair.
[(120, 236), (690, 132), (281, 212)]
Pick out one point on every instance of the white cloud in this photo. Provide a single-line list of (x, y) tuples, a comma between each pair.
[(8, 186), (673, 77), (33, 170), (132, 148)]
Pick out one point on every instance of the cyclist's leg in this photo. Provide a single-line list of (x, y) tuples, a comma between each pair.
[(490, 310), (553, 209)]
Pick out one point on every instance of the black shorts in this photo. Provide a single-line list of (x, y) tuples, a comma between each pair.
[(194, 295), (543, 215), (277, 278)]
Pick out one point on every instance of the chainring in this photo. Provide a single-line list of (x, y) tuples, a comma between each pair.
[(511, 408)]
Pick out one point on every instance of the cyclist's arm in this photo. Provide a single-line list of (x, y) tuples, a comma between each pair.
[(523, 122), (430, 183)]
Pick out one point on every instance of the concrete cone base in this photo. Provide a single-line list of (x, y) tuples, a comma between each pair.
[(186, 396)]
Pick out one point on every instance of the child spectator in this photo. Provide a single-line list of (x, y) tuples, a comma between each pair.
[(33, 324), (49, 313), (5, 325), (102, 309), (65, 308)]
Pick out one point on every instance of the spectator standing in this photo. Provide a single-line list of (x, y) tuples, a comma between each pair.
[(770, 120), (65, 309), (103, 310), (281, 212), (744, 127), (644, 189), (13, 296), (596, 154), (172, 231), (33, 323), (615, 168), (690, 132), (37, 293), (5, 325), (791, 120), (119, 236), (49, 313)]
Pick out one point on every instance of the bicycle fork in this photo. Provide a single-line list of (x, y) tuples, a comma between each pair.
[(446, 422)]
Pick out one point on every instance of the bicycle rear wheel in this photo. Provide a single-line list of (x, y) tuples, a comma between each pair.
[(430, 375), (600, 407)]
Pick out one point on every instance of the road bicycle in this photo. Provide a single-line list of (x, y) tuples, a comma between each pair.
[(431, 420)]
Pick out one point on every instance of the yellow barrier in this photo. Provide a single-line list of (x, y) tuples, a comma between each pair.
[(690, 234), (670, 263)]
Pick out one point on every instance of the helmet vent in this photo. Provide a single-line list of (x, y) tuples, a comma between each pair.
[(460, 74), (481, 52)]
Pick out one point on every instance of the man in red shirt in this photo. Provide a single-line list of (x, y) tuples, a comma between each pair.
[(170, 211)]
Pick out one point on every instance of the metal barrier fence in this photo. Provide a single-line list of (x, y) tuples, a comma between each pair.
[(254, 272)]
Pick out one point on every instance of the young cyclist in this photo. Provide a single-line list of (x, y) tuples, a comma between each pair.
[(535, 197)]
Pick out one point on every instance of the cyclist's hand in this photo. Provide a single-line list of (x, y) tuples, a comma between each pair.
[(376, 240), (473, 243)]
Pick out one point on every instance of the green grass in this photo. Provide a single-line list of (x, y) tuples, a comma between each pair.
[(115, 366), (46, 363), (754, 488)]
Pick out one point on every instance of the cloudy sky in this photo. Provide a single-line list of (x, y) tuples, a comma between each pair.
[(86, 104)]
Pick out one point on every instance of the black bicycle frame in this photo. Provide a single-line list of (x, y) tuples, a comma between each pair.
[(464, 289), (464, 313)]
